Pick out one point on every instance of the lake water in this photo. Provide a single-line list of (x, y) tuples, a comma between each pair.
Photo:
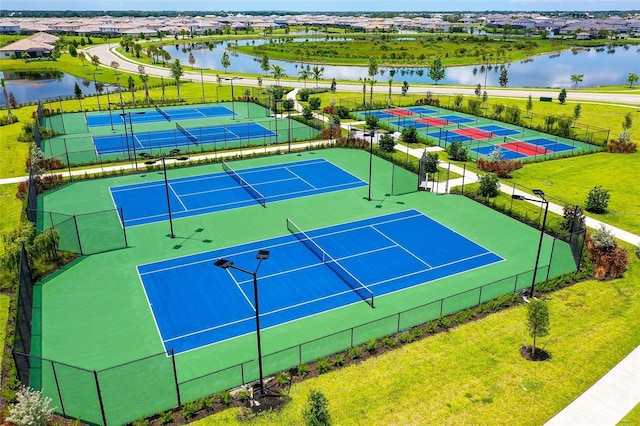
[(601, 67), (29, 86)]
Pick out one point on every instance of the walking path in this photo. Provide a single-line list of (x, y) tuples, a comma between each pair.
[(609, 399)]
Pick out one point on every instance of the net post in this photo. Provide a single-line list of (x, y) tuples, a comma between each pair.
[(124, 227), (175, 376)]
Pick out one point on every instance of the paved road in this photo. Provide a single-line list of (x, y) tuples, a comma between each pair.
[(107, 54)]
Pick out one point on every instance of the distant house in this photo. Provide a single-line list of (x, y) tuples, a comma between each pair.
[(38, 45), (7, 27)]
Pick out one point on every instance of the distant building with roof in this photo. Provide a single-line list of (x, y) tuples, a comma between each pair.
[(39, 45)]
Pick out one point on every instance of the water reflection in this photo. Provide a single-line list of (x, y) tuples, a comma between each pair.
[(29, 86)]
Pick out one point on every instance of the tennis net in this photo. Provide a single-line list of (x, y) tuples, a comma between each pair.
[(359, 288), (161, 112), (244, 184), (187, 133)]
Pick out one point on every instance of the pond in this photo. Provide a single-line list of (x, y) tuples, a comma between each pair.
[(29, 86), (600, 66)]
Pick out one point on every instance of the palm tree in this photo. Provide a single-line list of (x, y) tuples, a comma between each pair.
[(277, 72), (304, 75), (177, 72), (373, 71), (372, 81), (131, 83), (317, 72), (3, 84), (363, 80), (144, 78), (390, 100)]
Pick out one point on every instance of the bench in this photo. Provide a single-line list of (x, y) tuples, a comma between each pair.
[(545, 99)]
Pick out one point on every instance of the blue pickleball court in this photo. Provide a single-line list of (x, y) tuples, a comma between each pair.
[(195, 303), (153, 116), (145, 203)]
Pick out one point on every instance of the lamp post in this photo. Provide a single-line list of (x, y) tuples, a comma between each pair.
[(133, 141), (227, 264), (150, 161), (372, 133), (544, 201), (233, 108)]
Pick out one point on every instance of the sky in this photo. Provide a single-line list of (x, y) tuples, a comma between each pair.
[(324, 5)]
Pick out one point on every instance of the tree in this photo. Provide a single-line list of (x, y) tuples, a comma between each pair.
[(363, 80), (457, 151), (316, 410), (537, 321), (177, 72), (409, 135), (436, 72), (571, 215), (372, 81), (577, 110), (489, 186), (315, 103), (371, 122), (386, 143), (225, 61), (478, 90), (316, 73), (632, 79), (77, 92), (304, 75), (431, 162), (82, 57), (372, 72), (115, 65), (503, 79), (191, 59), (3, 84), (277, 72), (529, 105), (576, 79), (264, 64), (334, 86), (405, 88), (73, 51), (627, 122), (131, 84), (95, 60), (597, 200), (562, 97)]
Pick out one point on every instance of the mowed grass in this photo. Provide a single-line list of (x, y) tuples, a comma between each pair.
[(571, 179), (474, 374)]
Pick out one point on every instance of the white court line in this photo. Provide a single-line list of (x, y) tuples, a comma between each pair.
[(400, 245), (178, 197), (298, 176)]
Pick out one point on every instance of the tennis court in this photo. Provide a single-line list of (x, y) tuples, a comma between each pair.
[(307, 273), (146, 203), (184, 136), (551, 145), (159, 114)]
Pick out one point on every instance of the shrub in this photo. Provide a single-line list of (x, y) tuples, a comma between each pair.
[(302, 370), (244, 395), (141, 422), (283, 379), (406, 337), (316, 411), (417, 332), (386, 143), (571, 214), (224, 397), (165, 417), (389, 342), (189, 409), (597, 200), (610, 261), (502, 168), (371, 346), (342, 112), (409, 135), (323, 365), (206, 403), (489, 186), (307, 113), (622, 145), (457, 151), (338, 360), (355, 352), (32, 408)]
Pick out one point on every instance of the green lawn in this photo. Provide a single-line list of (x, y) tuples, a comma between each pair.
[(572, 178), (474, 374)]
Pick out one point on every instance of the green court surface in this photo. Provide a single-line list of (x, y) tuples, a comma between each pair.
[(93, 319), (76, 146)]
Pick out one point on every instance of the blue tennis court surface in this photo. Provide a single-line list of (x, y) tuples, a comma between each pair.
[(455, 119), (445, 135), (151, 116), (551, 145), (498, 130), (507, 154), (195, 304), (147, 202), (380, 114), (422, 110), (409, 123), (114, 144)]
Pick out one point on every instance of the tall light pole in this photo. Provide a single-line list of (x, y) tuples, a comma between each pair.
[(372, 133), (227, 264), (544, 201), (150, 161), (133, 141), (233, 108)]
